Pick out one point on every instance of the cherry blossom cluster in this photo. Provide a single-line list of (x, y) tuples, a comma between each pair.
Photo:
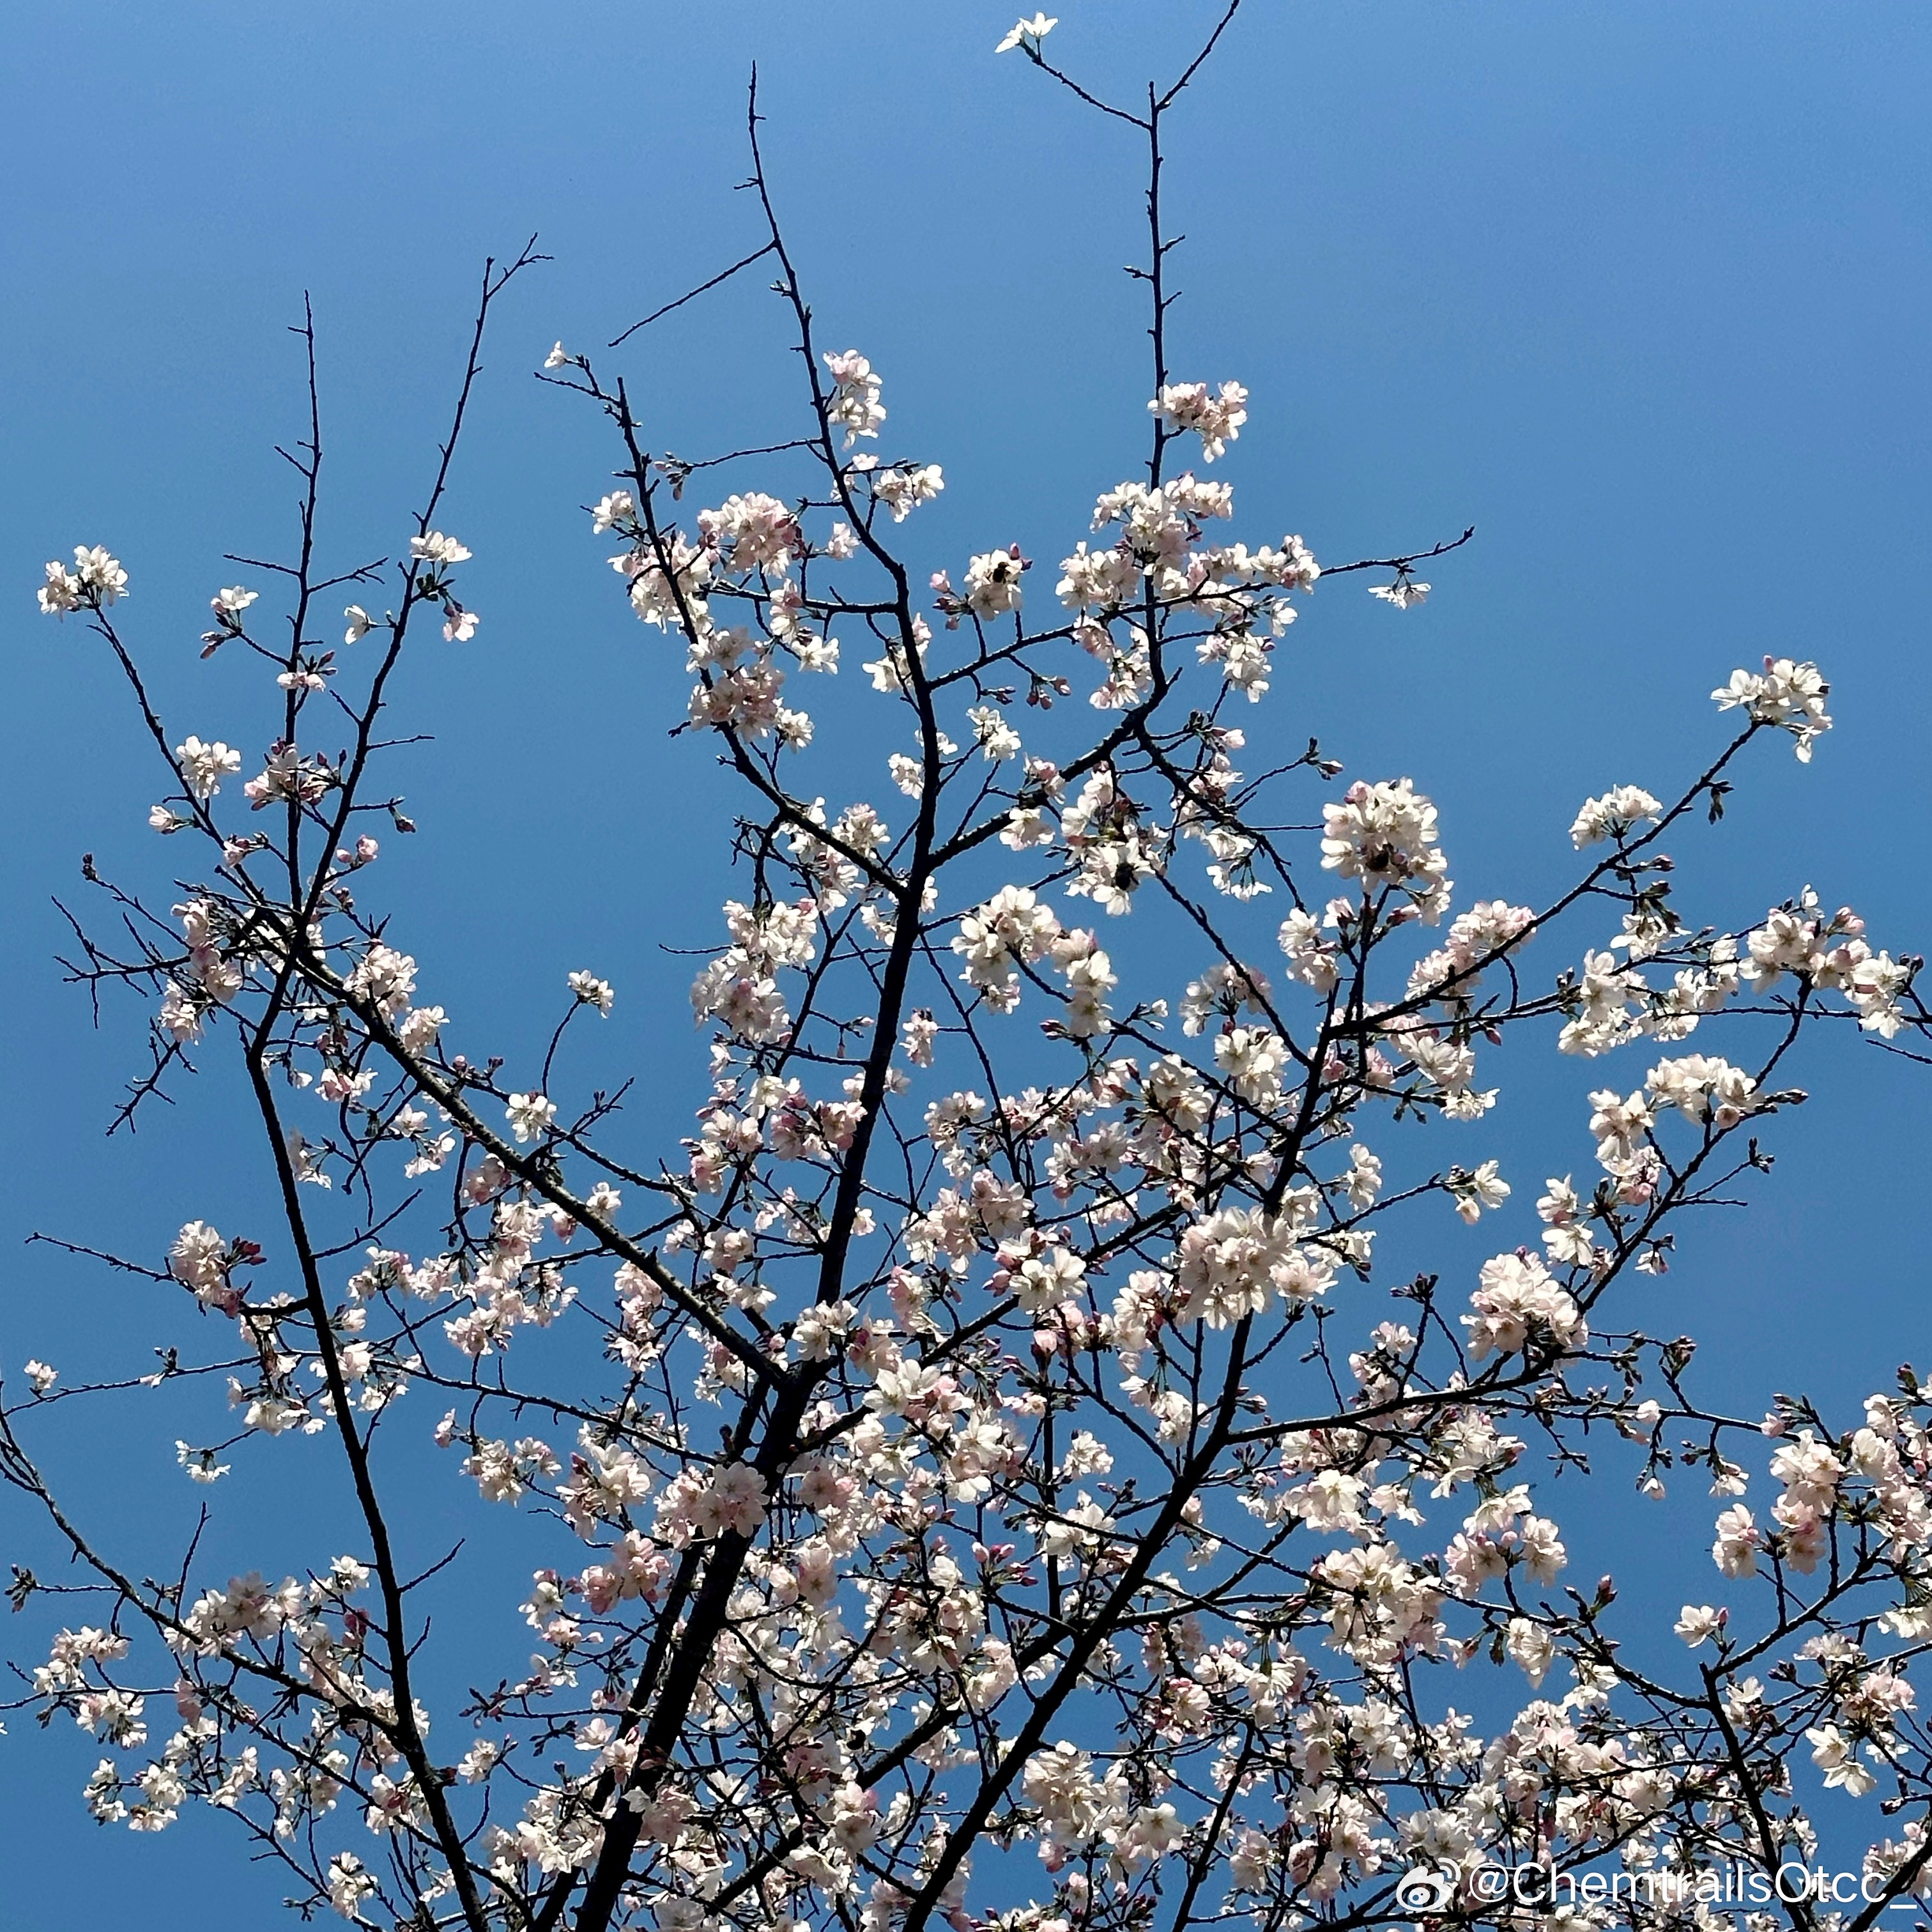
[(972, 1456)]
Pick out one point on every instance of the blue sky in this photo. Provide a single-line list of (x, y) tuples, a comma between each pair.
[(1640, 291)]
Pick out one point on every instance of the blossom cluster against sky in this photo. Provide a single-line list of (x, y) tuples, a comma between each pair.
[(1640, 295)]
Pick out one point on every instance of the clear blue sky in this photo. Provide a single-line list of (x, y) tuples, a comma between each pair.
[(1642, 291)]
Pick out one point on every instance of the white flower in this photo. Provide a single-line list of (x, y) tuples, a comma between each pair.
[(1876, 983), (1734, 1551), (1516, 1296), (204, 766), (1699, 1623), (903, 490), (1385, 835), (734, 1502), (1028, 33), (432, 546), (1216, 419), (61, 593), (1011, 926), (753, 531), (530, 1115), (1405, 591), (1567, 1237), (99, 574), (1310, 958), (1837, 1757), (998, 740), (993, 582), (592, 991), (618, 507), (199, 1463), (1472, 1193), (96, 581), (40, 1377), (1790, 696), (1620, 810), (854, 402), (360, 624), (349, 1882), (1703, 1089), (1530, 1648), (558, 357)]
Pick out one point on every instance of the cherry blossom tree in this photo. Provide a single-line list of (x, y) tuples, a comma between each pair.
[(982, 1473)]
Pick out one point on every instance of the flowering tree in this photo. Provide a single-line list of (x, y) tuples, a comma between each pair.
[(982, 1472)]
